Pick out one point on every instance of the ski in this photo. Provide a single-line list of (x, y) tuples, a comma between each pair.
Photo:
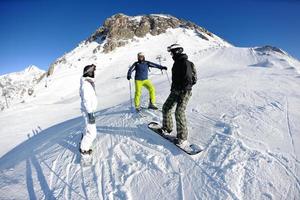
[(146, 112), (191, 149), (86, 160)]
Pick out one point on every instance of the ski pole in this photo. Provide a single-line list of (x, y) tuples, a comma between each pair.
[(130, 95), (159, 59)]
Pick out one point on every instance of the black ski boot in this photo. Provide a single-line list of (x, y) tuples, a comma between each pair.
[(138, 109), (184, 144), (178, 141), (152, 106), (83, 152), (163, 131)]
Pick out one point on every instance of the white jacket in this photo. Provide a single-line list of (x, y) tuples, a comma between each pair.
[(88, 95)]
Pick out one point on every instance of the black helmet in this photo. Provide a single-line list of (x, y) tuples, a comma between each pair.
[(175, 49), (89, 71)]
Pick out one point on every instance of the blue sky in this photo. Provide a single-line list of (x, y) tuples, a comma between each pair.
[(39, 31)]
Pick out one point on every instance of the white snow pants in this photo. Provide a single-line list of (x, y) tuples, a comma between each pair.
[(89, 134)]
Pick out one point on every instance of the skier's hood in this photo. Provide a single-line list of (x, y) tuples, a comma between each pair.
[(180, 57)]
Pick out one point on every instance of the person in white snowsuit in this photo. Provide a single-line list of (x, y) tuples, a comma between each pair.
[(88, 108)]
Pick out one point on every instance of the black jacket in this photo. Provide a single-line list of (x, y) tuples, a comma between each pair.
[(183, 73)]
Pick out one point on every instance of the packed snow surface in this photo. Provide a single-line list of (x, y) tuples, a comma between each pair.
[(244, 112)]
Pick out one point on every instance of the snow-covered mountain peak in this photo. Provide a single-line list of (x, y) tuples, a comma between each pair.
[(122, 31), (33, 69), (18, 85), (119, 29), (270, 49)]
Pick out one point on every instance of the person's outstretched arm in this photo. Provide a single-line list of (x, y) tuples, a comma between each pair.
[(130, 70), (154, 65)]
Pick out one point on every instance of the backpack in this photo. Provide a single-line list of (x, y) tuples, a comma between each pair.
[(194, 74)]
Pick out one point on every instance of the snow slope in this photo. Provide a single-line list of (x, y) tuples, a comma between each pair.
[(243, 112)]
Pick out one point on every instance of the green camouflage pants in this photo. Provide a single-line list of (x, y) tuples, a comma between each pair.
[(180, 98)]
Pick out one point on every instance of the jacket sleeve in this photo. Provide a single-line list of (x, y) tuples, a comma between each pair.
[(131, 69), (87, 97), (154, 65)]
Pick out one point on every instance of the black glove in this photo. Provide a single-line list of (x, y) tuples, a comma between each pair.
[(128, 77), (164, 68), (92, 118)]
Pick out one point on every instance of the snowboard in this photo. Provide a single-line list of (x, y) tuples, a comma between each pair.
[(191, 149)]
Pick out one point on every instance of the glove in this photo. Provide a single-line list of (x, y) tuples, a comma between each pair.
[(91, 117), (164, 68), (128, 77)]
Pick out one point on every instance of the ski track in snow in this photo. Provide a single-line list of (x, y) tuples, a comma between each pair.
[(289, 126)]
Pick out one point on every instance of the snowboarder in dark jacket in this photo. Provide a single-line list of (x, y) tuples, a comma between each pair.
[(183, 78), (141, 68)]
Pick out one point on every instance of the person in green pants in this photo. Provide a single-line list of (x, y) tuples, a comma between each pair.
[(141, 68)]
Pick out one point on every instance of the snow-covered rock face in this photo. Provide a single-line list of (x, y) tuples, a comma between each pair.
[(16, 87), (120, 28)]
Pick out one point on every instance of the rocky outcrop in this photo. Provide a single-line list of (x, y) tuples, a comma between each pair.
[(120, 28), (267, 48), (61, 60)]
